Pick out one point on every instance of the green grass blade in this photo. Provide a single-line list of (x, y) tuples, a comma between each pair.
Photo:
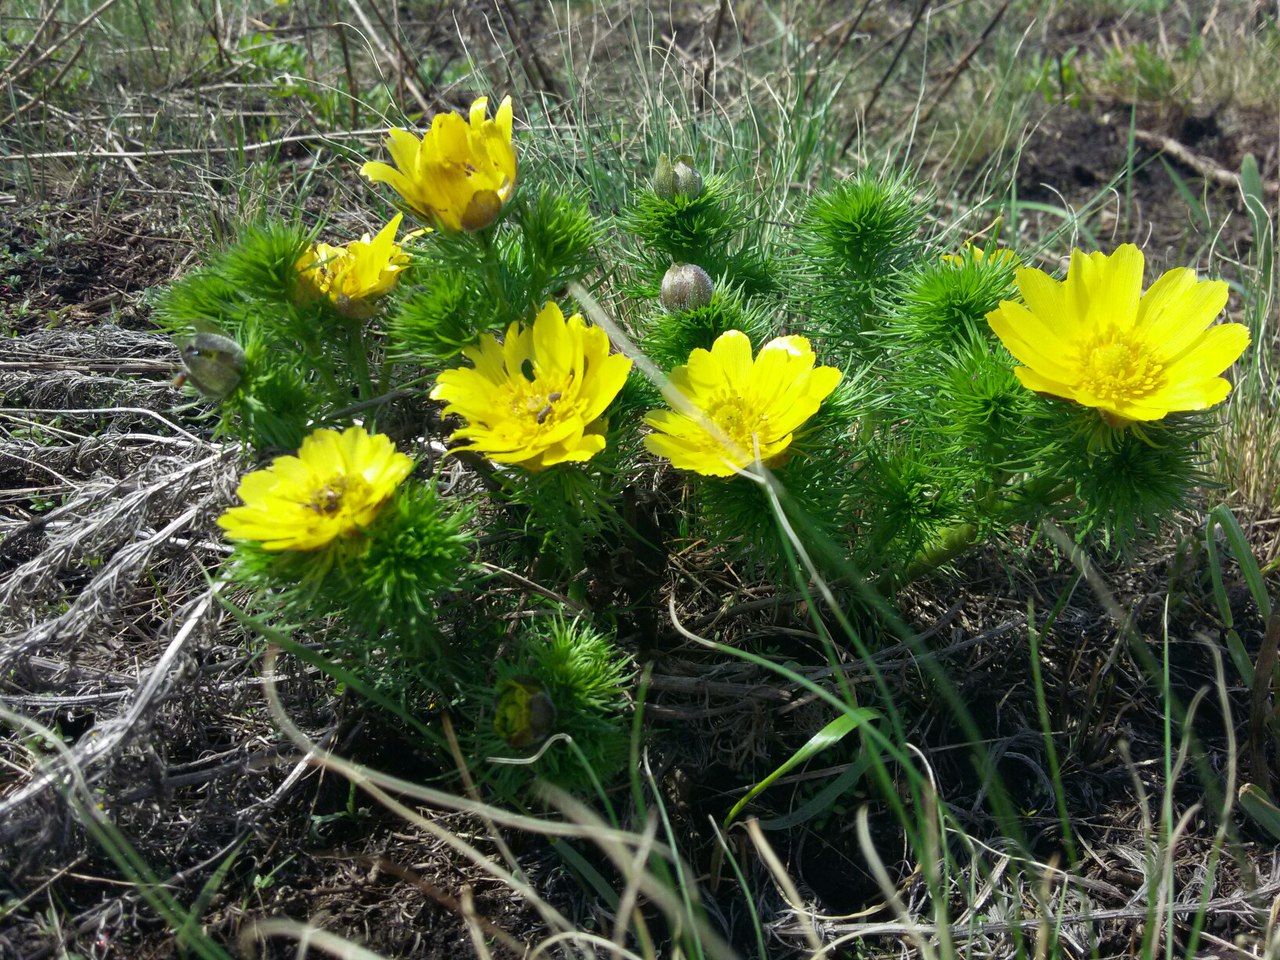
[(1221, 516), (1261, 808), (828, 736)]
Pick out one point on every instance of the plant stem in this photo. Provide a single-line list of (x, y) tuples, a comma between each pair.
[(959, 537), (493, 270)]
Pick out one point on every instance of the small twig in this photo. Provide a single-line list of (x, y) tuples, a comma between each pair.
[(962, 64), (367, 26), (140, 411), (528, 584), (884, 79), (33, 101), (143, 702), (739, 691), (527, 51), (1200, 164), (31, 44), (197, 151), (339, 29), (70, 35), (709, 64)]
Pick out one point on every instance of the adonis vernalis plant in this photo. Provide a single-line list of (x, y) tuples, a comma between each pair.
[(355, 276), (907, 400), (538, 398), (460, 174), (732, 410), (1097, 339), (332, 489)]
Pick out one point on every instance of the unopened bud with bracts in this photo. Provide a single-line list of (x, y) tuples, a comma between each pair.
[(676, 179), (686, 286), (212, 363), (524, 715)]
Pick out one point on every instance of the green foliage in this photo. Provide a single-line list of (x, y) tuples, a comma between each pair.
[(585, 676), (911, 499), (274, 402), (445, 314), (472, 284), (669, 338), (1131, 481), (1057, 78), (980, 408), (262, 260), (295, 352), (557, 245), (417, 550), (706, 229), (684, 228), (858, 237), (1140, 71), (565, 508), (737, 514), (939, 304)]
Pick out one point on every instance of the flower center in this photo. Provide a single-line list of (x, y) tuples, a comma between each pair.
[(341, 492), (739, 421), (536, 404), (1117, 370), (327, 501)]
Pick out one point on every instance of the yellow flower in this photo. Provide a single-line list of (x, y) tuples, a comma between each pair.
[(998, 255), (538, 397), (1097, 339), (458, 175), (354, 276), (736, 407), (333, 487)]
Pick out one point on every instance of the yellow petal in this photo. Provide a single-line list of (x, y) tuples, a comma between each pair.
[(552, 348), (502, 119), (780, 362), (1046, 300), (1211, 353), (732, 353), (685, 456), (804, 401), (1033, 380), (1197, 395), (1117, 288), (1181, 323), (404, 148), (586, 447), (1031, 340), (1162, 296), (517, 347)]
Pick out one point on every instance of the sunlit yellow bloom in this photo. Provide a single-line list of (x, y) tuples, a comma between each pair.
[(356, 275), (537, 398), (737, 408), (1097, 339), (1002, 256), (333, 487), (460, 174)]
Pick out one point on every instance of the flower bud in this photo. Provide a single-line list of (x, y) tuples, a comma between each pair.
[(664, 178), (688, 179), (678, 179), (212, 363), (525, 715), (686, 286)]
